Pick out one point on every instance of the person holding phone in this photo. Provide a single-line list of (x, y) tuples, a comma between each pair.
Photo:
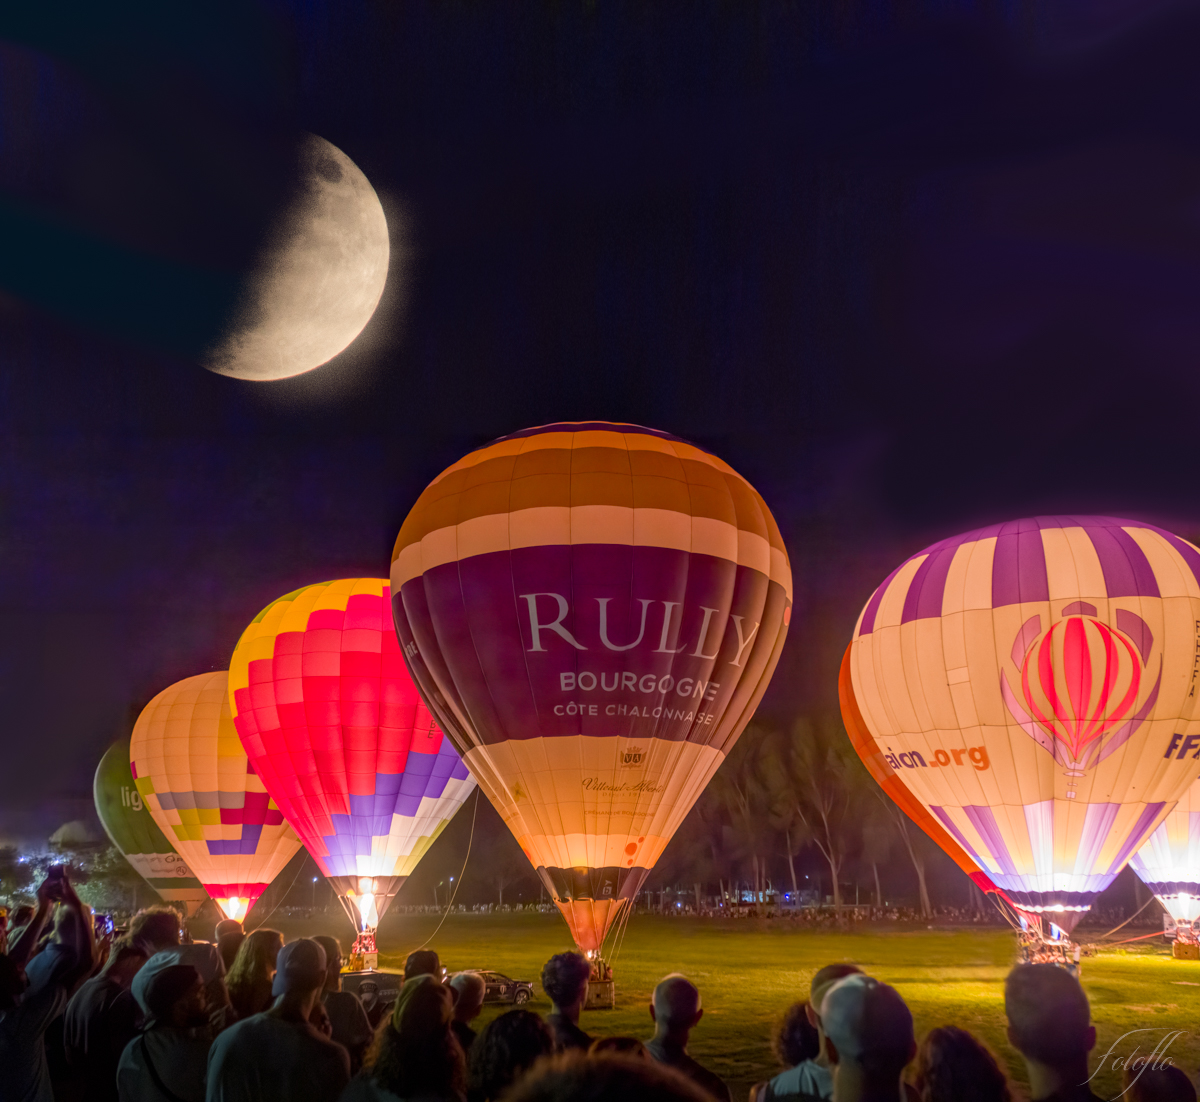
[(54, 970)]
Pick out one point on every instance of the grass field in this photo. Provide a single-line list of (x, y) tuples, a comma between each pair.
[(749, 972)]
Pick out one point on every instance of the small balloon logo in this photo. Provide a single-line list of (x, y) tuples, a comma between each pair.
[(1080, 682)]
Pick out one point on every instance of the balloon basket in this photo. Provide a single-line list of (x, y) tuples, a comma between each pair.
[(364, 956), (1035, 948), (601, 995), (1185, 950), (601, 992)]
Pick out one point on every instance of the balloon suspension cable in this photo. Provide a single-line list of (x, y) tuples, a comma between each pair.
[(280, 899), (622, 926), (454, 894), (1006, 909), (1110, 933)]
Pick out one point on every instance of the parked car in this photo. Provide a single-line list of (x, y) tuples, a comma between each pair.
[(499, 988)]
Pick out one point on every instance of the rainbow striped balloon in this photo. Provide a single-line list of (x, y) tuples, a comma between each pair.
[(1033, 683), (593, 612)]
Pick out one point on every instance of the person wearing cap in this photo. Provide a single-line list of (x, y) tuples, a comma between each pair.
[(811, 1076), (168, 1061), (278, 1056), (415, 1055), (347, 1018), (869, 1039), (676, 1011), (1049, 1024)]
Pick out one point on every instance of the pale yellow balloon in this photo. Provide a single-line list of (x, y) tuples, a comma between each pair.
[(319, 278)]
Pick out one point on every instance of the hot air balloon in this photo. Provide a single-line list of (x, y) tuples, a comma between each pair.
[(1031, 684), (193, 775), (1169, 864), (592, 612), (132, 830), (336, 729)]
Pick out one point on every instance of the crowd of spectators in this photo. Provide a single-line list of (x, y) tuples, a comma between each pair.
[(154, 1017)]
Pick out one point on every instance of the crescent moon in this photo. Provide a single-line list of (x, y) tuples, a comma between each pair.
[(317, 281)]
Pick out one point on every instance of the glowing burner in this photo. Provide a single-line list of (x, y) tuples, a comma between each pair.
[(234, 907)]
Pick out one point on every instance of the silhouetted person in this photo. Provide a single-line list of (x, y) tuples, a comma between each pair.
[(249, 980), (423, 962), (796, 1044), (414, 1055), (347, 1018), (101, 1019), (469, 989), (869, 1039), (1049, 1024), (278, 1056), (52, 973), (229, 936), (577, 1077), (158, 929), (565, 981), (168, 1061), (676, 1011), (1151, 1080), (955, 1066), (506, 1049), (811, 1076)]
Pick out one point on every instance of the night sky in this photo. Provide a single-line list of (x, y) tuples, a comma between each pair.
[(910, 268)]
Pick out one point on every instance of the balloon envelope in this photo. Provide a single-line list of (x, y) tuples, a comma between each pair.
[(194, 776), (593, 612), (134, 832), (336, 729), (1031, 683), (1169, 862)]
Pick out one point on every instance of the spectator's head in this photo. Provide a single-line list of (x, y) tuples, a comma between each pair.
[(256, 959), (796, 1038), (333, 961), (576, 1077), (300, 969), (228, 927), (618, 1046), (675, 1008), (156, 928), (157, 997), (505, 1049), (1049, 1021), (21, 917), (173, 996), (954, 1066), (416, 1052), (824, 979), (468, 988), (424, 962), (1148, 1080), (869, 1034), (565, 978), (125, 960)]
